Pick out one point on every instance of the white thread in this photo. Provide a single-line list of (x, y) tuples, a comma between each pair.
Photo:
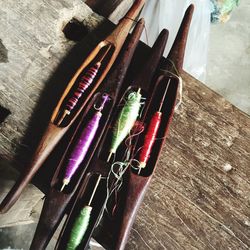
[(100, 108), (117, 184), (118, 173), (180, 90)]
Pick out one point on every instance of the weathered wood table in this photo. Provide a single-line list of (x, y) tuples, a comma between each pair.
[(200, 195)]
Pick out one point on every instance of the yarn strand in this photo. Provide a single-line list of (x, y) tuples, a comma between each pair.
[(151, 134), (85, 82), (82, 222), (125, 121), (83, 144)]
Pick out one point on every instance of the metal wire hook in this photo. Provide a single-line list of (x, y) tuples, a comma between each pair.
[(105, 98)]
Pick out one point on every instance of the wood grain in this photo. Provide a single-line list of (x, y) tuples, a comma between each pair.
[(104, 9), (34, 74), (192, 203), (36, 47)]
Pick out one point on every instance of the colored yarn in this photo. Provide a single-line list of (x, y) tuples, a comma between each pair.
[(82, 222), (137, 129), (82, 146), (85, 82), (152, 131), (126, 120), (150, 139), (79, 228)]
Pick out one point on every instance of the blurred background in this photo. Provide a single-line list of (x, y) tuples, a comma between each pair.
[(218, 46), (228, 65)]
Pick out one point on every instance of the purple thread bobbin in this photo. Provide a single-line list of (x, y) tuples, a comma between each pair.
[(83, 143)]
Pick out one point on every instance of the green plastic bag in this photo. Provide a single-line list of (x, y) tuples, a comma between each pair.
[(221, 10)]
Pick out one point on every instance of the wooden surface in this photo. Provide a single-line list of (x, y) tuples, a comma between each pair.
[(54, 132), (192, 202), (35, 47), (31, 49)]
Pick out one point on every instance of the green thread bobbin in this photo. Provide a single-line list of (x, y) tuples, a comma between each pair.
[(81, 223), (126, 120)]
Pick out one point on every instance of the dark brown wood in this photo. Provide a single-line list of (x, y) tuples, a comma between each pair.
[(135, 187), (103, 7), (82, 199), (177, 52), (192, 202), (54, 133), (56, 202), (137, 184), (142, 80)]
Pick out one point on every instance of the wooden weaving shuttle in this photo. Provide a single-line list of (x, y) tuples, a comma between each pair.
[(56, 202), (177, 52), (114, 235), (98, 163), (82, 196), (106, 51), (137, 184), (142, 78)]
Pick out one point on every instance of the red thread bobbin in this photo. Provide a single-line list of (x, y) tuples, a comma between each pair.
[(85, 82), (150, 139)]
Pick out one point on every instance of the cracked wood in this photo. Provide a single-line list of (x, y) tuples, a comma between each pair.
[(192, 202)]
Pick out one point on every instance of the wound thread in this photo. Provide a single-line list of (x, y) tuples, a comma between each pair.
[(126, 120), (85, 82), (83, 143), (150, 139)]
